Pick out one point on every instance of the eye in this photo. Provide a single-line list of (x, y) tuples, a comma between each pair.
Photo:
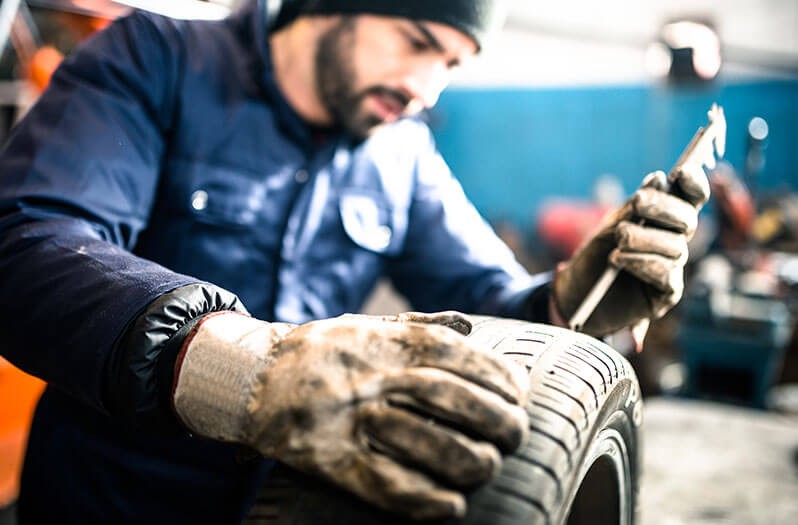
[(416, 42), (418, 45)]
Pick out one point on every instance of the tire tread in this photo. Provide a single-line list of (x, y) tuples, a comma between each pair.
[(575, 379)]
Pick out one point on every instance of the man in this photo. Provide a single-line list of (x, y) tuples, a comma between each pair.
[(173, 164)]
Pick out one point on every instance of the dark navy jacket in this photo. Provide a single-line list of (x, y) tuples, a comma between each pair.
[(163, 155)]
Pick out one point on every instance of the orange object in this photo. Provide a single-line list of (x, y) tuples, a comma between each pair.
[(73, 28), (19, 393), (42, 66)]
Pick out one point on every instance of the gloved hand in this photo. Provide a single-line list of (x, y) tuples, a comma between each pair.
[(399, 410), (653, 255)]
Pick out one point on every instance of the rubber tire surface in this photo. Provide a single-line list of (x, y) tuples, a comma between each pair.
[(585, 411)]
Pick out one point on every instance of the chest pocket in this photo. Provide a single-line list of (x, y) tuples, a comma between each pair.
[(371, 222), (218, 196)]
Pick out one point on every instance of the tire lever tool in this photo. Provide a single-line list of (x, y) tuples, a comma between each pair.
[(699, 152)]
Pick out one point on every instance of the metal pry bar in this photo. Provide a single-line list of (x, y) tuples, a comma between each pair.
[(700, 151)]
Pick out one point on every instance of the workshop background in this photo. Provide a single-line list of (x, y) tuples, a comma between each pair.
[(558, 121)]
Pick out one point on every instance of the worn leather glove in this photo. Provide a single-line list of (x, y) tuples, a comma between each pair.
[(399, 410), (653, 255)]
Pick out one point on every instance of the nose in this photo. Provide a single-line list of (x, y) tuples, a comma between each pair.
[(426, 80)]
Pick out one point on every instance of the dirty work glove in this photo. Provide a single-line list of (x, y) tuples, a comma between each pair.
[(401, 411), (653, 256)]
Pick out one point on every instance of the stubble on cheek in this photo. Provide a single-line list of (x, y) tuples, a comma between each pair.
[(336, 82)]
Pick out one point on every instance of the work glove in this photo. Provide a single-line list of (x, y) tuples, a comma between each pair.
[(403, 411), (652, 255)]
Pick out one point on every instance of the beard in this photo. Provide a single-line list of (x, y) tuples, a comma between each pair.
[(335, 83)]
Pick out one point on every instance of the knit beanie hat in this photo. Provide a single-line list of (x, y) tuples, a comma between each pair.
[(475, 18)]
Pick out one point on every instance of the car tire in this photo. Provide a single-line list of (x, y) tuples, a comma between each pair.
[(579, 465)]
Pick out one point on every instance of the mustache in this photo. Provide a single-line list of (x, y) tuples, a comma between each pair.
[(401, 97)]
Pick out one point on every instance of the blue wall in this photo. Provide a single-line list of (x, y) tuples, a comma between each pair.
[(514, 148)]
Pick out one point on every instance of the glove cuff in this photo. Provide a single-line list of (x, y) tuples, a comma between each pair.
[(216, 370), (137, 382)]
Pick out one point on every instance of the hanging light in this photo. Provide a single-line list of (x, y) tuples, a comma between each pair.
[(687, 50)]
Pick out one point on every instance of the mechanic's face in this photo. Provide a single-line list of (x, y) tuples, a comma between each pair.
[(372, 70)]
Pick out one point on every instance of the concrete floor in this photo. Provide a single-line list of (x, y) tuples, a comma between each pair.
[(713, 464)]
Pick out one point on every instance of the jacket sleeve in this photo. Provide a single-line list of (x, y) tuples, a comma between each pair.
[(452, 258), (77, 181)]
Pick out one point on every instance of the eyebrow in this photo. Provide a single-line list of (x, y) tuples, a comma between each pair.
[(429, 37), (432, 40)]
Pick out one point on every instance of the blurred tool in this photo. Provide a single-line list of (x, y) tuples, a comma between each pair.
[(735, 208), (776, 225), (758, 132), (701, 152)]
